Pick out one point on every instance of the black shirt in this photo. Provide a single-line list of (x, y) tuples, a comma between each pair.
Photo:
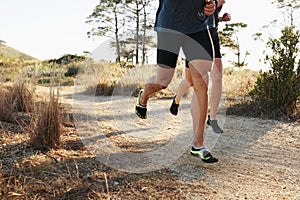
[(185, 16)]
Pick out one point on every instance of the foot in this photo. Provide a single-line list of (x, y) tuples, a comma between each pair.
[(174, 107), (204, 154), (214, 124), (140, 110)]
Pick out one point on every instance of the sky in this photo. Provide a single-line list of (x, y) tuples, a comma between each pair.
[(49, 29)]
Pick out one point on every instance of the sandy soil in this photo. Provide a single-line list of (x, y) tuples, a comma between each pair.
[(106, 143)]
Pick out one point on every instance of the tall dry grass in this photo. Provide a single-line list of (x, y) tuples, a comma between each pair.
[(89, 75), (106, 79), (238, 82), (46, 125), (23, 96), (6, 104), (16, 97)]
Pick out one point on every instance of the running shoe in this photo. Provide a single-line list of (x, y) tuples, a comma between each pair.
[(214, 124), (204, 154), (140, 111), (174, 107)]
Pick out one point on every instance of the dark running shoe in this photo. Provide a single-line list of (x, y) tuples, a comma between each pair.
[(214, 124), (204, 154), (174, 107), (140, 111)]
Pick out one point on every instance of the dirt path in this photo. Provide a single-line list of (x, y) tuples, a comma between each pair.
[(258, 159)]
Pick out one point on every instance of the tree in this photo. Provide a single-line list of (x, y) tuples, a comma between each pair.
[(107, 16), (289, 7), (110, 16), (279, 88), (229, 38), (140, 11), (136, 7), (146, 39)]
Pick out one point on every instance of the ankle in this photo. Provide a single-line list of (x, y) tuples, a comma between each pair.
[(197, 145), (177, 101), (213, 117), (143, 101)]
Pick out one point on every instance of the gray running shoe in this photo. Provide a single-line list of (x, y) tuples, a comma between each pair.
[(214, 124)]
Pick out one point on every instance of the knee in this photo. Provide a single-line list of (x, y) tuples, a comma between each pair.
[(164, 76), (201, 83), (204, 78), (163, 82)]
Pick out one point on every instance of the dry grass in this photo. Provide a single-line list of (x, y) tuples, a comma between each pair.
[(69, 171), (22, 96), (6, 105), (46, 124), (238, 82), (92, 74), (14, 98), (29, 174), (110, 79)]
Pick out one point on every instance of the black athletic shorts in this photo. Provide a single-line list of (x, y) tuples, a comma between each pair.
[(216, 41), (195, 46)]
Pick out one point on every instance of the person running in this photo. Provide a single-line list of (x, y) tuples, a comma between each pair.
[(184, 24), (216, 76)]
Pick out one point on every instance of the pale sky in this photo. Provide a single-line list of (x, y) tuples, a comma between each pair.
[(46, 29), (49, 29)]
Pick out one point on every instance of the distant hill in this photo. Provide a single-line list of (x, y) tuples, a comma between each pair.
[(11, 52)]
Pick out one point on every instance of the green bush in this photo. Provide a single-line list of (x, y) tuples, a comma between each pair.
[(44, 81), (279, 88), (72, 71)]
